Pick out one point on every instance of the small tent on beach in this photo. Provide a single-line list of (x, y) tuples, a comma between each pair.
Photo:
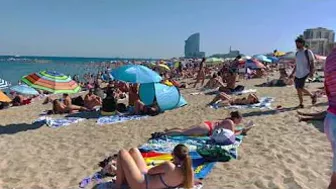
[(167, 97)]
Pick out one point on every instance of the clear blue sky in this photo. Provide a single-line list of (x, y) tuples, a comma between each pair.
[(156, 28)]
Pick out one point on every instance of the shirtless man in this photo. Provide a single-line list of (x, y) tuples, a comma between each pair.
[(91, 100)]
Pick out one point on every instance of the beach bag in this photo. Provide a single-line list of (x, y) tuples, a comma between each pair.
[(223, 136)]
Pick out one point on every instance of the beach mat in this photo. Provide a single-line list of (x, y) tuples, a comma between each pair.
[(118, 119), (265, 103), (56, 123)]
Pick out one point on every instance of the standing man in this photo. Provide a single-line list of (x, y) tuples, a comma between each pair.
[(330, 120), (201, 73), (304, 68)]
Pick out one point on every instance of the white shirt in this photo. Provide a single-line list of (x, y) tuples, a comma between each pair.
[(302, 64)]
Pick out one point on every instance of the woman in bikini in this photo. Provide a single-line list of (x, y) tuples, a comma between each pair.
[(132, 170), (227, 100), (207, 127)]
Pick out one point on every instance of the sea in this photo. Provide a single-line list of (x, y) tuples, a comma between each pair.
[(13, 68)]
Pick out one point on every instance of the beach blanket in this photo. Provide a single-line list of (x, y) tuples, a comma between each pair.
[(111, 185), (265, 103), (202, 163), (56, 123), (118, 119)]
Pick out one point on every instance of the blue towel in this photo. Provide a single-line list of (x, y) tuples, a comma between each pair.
[(118, 119), (56, 123)]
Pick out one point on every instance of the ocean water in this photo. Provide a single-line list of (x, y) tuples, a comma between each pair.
[(12, 69)]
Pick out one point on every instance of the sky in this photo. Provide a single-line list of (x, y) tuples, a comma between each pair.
[(156, 28)]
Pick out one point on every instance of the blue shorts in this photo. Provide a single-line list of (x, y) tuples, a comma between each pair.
[(330, 131)]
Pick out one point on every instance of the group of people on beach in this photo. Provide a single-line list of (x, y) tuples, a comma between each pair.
[(111, 97)]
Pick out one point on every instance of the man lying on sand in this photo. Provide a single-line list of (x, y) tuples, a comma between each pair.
[(312, 116), (227, 100), (206, 128)]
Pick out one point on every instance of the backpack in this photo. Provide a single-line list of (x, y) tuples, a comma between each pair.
[(311, 66)]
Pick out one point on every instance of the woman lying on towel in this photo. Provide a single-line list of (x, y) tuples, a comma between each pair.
[(207, 127), (132, 170), (227, 100)]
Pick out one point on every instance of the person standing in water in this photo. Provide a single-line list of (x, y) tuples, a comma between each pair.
[(304, 68), (201, 73), (330, 120)]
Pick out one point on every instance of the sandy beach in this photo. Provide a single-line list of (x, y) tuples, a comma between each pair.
[(280, 152)]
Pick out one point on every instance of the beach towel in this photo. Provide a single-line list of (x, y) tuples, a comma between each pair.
[(118, 119), (265, 103), (56, 123), (111, 185), (202, 165)]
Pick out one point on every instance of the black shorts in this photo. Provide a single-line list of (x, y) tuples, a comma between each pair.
[(300, 82)]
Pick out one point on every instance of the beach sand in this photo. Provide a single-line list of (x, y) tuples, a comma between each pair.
[(279, 152)]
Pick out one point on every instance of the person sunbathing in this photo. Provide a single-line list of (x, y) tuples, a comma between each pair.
[(132, 170), (214, 82), (66, 106), (91, 100), (227, 100), (312, 116), (19, 100), (277, 83), (141, 109), (206, 128)]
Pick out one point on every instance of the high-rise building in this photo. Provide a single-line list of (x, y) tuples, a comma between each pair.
[(319, 40), (192, 47)]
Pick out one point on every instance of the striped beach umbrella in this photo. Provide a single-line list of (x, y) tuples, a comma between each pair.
[(4, 84), (51, 81)]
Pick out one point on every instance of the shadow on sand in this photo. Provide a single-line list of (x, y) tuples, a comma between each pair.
[(86, 115), (269, 112), (16, 128)]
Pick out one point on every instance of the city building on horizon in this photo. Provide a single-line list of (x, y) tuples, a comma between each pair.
[(192, 47), (320, 40)]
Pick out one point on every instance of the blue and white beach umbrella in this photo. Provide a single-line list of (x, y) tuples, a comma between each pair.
[(136, 74), (24, 89), (4, 84)]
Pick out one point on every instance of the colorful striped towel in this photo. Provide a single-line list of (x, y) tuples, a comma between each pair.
[(118, 119), (56, 123), (265, 103)]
